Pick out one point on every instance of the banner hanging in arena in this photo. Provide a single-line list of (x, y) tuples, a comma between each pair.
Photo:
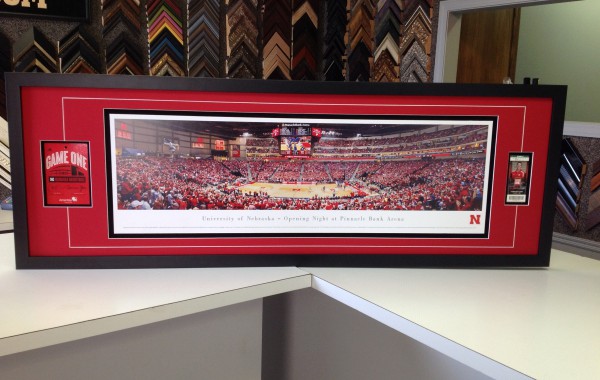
[(220, 173)]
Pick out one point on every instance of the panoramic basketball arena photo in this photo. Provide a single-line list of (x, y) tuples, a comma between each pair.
[(296, 174)]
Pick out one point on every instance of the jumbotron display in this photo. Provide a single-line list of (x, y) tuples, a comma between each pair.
[(297, 146), (296, 140)]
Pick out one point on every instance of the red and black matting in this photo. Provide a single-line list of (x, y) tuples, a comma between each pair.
[(71, 108)]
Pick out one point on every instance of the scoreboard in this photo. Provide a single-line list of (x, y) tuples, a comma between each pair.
[(296, 140), (295, 146), (286, 130)]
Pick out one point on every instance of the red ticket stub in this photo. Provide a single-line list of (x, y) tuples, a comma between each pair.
[(66, 168)]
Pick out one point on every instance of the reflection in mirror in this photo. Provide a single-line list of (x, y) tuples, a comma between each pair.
[(6, 219)]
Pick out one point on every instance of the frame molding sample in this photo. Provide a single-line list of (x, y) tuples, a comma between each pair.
[(122, 172)]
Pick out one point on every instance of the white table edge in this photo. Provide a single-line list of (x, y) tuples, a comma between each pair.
[(460, 353), (89, 328)]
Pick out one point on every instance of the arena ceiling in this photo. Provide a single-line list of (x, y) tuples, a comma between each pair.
[(232, 130)]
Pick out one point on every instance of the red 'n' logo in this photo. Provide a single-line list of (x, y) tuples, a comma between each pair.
[(475, 219)]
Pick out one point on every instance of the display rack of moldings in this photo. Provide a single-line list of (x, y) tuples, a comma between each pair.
[(352, 40), (242, 39), (331, 40), (166, 38), (122, 22), (5, 67), (305, 40), (570, 182), (204, 38), (334, 46), (593, 215), (277, 40), (78, 53), (34, 52)]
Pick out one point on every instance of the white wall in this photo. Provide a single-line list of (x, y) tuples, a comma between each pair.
[(453, 44), (559, 44)]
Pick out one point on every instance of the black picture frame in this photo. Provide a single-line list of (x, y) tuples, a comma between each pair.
[(24, 90)]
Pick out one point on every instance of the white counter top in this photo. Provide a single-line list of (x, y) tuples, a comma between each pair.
[(44, 307), (506, 323), (544, 323)]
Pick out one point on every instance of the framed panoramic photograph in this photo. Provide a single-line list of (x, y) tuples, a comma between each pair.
[(179, 172)]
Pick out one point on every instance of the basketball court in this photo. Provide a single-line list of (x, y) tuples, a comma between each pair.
[(299, 190)]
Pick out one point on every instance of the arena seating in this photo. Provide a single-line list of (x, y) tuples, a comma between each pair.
[(182, 183)]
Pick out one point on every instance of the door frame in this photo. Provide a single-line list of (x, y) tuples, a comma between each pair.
[(448, 15)]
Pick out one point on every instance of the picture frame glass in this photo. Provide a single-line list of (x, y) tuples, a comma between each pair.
[(384, 185)]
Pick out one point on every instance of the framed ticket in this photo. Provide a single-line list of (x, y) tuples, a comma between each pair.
[(519, 173), (66, 173)]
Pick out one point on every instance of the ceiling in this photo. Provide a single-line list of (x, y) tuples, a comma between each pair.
[(232, 130)]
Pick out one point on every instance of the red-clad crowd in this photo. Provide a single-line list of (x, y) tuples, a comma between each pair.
[(340, 171), (455, 133), (315, 171), (178, 183), (445, 140)]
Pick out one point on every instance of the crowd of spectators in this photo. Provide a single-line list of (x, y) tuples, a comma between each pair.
[(270, 142), (315, 171), (237, 167), (262, 147), (394, 173), (401, 145), (455, 184), (417, 137), (178, 183), (287, 171), (341, 171), (447, 140)]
